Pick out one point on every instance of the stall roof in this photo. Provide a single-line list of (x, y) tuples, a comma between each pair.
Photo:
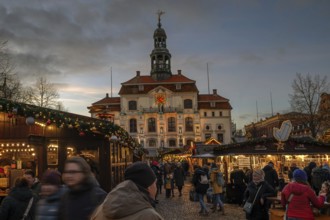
[(303, 145), (206, 155)]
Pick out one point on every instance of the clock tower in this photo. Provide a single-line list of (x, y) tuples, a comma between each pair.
[(160, 56)]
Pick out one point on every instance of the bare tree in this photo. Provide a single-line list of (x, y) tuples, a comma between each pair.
[(43, 94), (10, 86), (306, 98)]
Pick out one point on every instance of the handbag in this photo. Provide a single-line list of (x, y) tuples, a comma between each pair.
[(27, 209), (287, 206), (248, 206)]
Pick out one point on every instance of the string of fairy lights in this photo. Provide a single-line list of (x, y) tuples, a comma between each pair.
[(84, 125)]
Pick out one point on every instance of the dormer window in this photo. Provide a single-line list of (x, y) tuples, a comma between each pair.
[(212, 104), (141, 87), (178, 86)]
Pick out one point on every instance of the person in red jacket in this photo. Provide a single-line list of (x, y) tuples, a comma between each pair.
[(299, 207)]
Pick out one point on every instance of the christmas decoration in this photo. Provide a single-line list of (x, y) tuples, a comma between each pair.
[(87, 125), (30, 121)]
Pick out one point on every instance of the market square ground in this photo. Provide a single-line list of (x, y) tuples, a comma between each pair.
[(180, 208)]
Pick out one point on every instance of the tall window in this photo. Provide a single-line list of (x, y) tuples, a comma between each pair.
[(172, 143), (132, 125), (151, 125), (207, 136), (187, 103), (152, 143), (132, 105), (171, 124), (189, 124), (220, 137)]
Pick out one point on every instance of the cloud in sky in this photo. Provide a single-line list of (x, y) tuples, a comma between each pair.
[(253, 48)]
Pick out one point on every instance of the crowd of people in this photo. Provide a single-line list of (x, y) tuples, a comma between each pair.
[(76, 194), (304, 195)]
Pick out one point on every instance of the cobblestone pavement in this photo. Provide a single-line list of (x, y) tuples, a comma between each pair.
[(181, 208)]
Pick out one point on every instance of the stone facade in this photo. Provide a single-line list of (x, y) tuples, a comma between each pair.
[(165, 110)]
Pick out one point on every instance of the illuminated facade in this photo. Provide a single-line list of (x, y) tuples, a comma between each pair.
[(164, 110)]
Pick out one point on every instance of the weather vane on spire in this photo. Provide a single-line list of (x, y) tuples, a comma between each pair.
[(160, 13)]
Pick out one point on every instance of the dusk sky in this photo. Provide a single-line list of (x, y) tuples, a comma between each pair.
[(253, 48)]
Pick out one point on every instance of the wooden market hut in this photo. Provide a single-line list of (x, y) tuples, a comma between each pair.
[(40, 139), (255, 152)]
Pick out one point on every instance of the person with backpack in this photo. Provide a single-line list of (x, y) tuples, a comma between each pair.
[(201, 184), (217, 184)]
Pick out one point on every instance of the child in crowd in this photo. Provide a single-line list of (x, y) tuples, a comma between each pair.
[(326, 189), (168, 185)]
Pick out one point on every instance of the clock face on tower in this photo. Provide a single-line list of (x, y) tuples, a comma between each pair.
[(160, 99)]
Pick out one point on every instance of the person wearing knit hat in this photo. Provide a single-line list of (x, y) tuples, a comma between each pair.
[(302, 197), (299, 175), (51, 192), (141, 174), (258, 190), (132, 198)]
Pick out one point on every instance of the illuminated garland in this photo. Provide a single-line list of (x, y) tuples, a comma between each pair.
[(83, 124)]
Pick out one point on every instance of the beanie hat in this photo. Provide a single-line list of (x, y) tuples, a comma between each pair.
[(141, 174), (51, 177), (299, 175)]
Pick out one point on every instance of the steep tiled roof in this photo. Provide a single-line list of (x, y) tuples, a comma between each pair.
[(204, 102), (108, 100), (132, 86), (179, 78), (211, 97)]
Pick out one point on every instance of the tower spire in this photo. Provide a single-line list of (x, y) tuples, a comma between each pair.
[(160, 56), (160, 13)]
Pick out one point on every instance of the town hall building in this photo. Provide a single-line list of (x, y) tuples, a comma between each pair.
[(163, 110)]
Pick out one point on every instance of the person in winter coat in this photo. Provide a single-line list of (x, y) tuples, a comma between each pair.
[(201, 188), (51, 192), (15, 204), (83, 193), (217, 189), (260, 206), (33, 181), (179, 177), (308, 169), (302, 196), (293, 167), (271, 175), (155, 167), (132, 198)]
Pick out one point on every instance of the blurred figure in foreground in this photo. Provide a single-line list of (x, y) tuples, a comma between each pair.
[(83, 194), (19, 201), (51, 192), (133, 198)]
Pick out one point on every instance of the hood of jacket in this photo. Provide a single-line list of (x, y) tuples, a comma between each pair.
[(21, 194), (297, 188), (125, 200), (267, 168)]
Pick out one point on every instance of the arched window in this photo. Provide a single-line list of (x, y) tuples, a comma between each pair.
[(132, 125), (132, 105), (151, 125), (189, 124), (187, 103), (171, 124)]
